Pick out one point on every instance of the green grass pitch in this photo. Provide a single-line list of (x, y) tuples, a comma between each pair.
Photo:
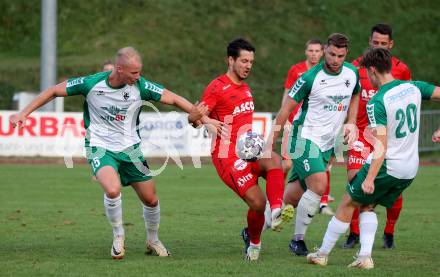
[(52, 223)]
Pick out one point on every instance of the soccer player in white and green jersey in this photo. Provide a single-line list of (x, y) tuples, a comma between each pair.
[(394, 118), (329, 92), (113, 100)]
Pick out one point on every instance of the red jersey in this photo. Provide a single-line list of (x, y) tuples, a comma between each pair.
[(232, 104), (399, 70), (292, 75)]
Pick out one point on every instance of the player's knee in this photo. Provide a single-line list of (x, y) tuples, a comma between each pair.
[(257, 204), (112, 192), (150, 201)]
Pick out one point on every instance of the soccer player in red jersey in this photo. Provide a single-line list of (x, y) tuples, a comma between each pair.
[(229, 100), (381, 37), (313, 52)]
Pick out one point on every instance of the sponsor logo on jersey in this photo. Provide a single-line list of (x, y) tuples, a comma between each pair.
[(337, 106), (355, 160), (370, 114), (114, 113), (154, 88), (247, 106), (74, 82), (243, 180), (240, 164), (368, 94), (323, 82), (248, 93), (226, 87), (100, 93), (401, 94), (296, 87)]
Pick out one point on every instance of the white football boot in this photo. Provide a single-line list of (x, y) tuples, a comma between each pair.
[(157, 248), (118, 247)]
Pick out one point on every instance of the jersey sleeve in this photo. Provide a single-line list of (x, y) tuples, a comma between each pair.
[(357, 87), (426, 89), (302, 87), (376, 113), (78, 86), (210, 95), (150, 90)]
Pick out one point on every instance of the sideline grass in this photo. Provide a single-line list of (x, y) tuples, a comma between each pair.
[(53, 224)]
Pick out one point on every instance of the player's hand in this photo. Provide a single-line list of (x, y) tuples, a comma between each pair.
[(17, 120), (218, 128), (436, 136), (197, 111), (368, 186), (350, 133)]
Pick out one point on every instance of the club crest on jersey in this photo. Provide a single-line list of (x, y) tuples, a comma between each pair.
[(240, 164), (125, 95), (347, 83), (247, 106)]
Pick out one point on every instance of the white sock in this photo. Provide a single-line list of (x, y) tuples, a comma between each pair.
[(152, 220), (113, 210), (367, 228), (307, 207), (335, 229)]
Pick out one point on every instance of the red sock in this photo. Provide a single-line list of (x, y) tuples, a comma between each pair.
[(275, 187), (393, 215), (354, 224), (255, 225), (324, 198)]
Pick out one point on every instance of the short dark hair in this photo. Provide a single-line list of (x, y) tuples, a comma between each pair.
[(313, 41), (382, 28), (380, 58), (339, 40), (107, 62), (234, 47)]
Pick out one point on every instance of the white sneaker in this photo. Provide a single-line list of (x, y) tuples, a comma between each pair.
[(281, 217), (364, 262), (253, 253), (317, 258), (267, 217), (326, 210), (157, 248), (118, 247)]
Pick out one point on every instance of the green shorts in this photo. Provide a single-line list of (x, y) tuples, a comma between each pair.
[(130, 163), (307, 160), (386, 187)]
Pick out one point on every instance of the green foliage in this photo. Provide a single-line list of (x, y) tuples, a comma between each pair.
[(53, 224), (183, 42)]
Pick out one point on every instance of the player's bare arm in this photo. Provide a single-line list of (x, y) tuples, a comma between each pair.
[(436, 97), (380, 148), (280, 120), (350, 132), (44, 97)]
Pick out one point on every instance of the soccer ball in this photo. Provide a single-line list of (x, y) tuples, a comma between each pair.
[(250, 146)]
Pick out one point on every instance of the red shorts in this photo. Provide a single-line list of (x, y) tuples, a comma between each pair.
[(358, 153), (237, 174)]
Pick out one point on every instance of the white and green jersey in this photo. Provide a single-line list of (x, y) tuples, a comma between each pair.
[(396, 105), (111, 115), (326, 98)]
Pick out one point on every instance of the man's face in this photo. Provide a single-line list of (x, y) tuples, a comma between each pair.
[(243, 64), (130, 72), (377, 40), (334, 57), (314, 53), (371, 72)]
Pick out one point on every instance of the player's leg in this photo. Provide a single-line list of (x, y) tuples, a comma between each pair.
[(323, 206), (354, 165), (135, 172), (271, 169), (308, 206), (105, 165), (146, 192), (392, 217), (256, 201)]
